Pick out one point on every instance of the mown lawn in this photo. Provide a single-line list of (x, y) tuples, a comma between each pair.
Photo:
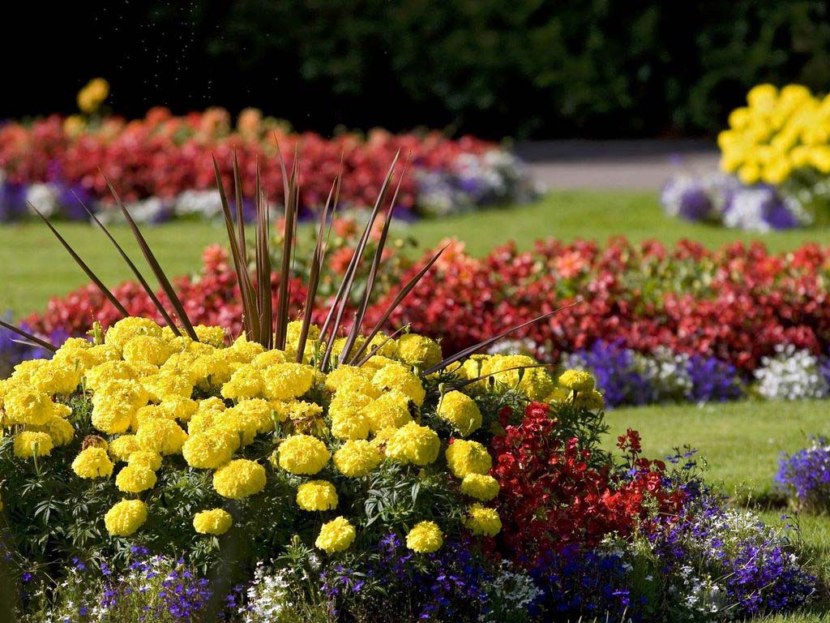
[(36, 267)]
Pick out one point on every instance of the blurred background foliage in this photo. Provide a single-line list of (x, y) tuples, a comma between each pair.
[(526, 68)]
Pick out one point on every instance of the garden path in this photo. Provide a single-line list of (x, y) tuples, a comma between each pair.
[(634, 165)]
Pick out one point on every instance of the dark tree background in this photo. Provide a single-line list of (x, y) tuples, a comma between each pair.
[(538, 68)]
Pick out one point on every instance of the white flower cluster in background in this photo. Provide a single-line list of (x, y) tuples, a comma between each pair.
[(511, 595), (791, 374), (492, 178), (44, 197), (667, 374)]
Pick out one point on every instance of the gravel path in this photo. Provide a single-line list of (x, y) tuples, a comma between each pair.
[(633, 165)]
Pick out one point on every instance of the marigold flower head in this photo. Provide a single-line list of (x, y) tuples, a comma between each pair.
[(146, 349), (303, 455), (317, 495), (146, 458), (122, 447), (398, 376), (461, 411), (28, 444), (390, 410), (126, 329), (592, 400), (336, 536), (482, 521), (468, 457), (161, 436), (576, 380), (239, 479), (135, 478), (31, 407), (125, 517), (425, 538), (287, 381), (92, 463), (357, 458), (56, 378), (215, 336), (418, 350), (215, 521), (60, 430), (414, 444), (520, 372), (210, 450), (480, 486), (245, 383)]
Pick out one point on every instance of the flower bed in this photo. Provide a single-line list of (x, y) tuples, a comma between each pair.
[(652, 323), (162, 166), (351, 494), (775, 160)]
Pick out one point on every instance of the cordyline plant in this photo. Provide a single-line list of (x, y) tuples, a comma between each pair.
[(265, 321)]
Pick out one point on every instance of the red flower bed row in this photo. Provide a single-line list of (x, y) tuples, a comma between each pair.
[(163, 155), (735, 304)]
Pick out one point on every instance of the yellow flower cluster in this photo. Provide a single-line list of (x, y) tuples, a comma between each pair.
[(777, 133), (93, 95), (214, 521), (161, 401), (425, 538)]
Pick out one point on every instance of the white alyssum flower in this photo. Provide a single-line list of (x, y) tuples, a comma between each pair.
[(791, 374)]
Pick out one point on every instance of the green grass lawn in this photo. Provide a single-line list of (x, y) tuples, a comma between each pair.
[(36, 267)]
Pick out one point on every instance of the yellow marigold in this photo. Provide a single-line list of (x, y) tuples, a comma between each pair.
[(301, 413), (125, 517), (168, 386), (215, 336), (418, 350), (482, 521), (348, 427), (287, 381), (303, 455), (61, 431), (210, 450), (124, 330), (557, 396), (382, 346), (162, 436), (592, 400), (425, 538), (112, 417), (348, 404), (242, 350), (242, 424), (391, 410), (245, 383), (29, 443), (177, 408), (414, 444), (398, 376), (208, 371), (359, 385), (576, 380), (215, 521), (461, 411), (27, 406), (317, 495), (258, 410), (269, 358), (480, 486), (122, 447), (147, 349), (468, 457), (239, 479), (92, 463), (343, 374), (535, 382), (145, 458), (357, 458), (336, 536), (108, 372), (135, 479), (55, 378)]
